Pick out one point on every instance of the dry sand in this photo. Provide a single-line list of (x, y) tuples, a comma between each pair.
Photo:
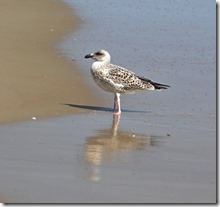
[(35, 78)]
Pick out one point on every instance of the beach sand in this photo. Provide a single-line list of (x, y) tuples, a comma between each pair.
[(35, 77)]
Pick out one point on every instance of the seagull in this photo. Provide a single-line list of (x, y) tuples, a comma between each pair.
[(118, 80)]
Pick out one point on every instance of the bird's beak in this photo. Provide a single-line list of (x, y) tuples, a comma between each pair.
[(89, 56)]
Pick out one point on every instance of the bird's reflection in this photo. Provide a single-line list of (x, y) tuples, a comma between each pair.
[(107, 144)]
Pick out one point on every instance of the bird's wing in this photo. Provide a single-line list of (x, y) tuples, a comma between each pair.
[(126, 78)]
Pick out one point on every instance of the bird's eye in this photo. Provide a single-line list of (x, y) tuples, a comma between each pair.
[(98, 53)]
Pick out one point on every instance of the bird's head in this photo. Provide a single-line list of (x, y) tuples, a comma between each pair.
[(101, 55)]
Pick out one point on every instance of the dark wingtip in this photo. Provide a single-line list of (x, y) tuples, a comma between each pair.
[(156, 85), (160, 86)]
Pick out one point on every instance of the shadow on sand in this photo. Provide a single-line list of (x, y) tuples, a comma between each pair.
[(100, 108)]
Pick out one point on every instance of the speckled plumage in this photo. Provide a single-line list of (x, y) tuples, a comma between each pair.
[(118, 80), (115, 79)]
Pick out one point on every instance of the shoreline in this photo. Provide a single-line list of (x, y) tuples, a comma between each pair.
[(36, 78)]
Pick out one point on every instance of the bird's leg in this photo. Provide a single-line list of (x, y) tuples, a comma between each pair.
[(117, 103), (115, 100)]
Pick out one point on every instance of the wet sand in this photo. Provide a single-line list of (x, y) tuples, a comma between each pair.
[(100, 158), (35, 77)]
